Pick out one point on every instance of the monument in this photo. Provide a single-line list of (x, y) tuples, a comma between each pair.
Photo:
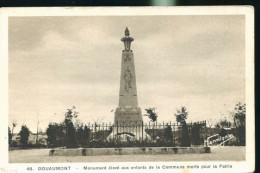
[(128, 122), (128, 116)]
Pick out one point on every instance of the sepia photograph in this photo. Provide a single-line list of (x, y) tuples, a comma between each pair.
[(138, 85)]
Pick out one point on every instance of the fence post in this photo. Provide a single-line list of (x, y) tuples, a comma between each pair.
[(67, 137), (92, 131), (103, 132), (123, 126), (142, 130), (60, 136), (113, 129), (116, 129), (191, 134), (136, 130), (206, 130), (174, 134), (153, 133), (200, 133)]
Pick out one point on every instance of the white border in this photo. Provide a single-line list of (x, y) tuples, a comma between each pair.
[(248, 11)]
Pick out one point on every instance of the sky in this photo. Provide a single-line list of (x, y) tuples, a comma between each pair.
[(59, 62)]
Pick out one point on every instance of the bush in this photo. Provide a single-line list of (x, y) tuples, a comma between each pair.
[(71, 139), (185, 140), (24, 134), (168, 137), (195, 134)]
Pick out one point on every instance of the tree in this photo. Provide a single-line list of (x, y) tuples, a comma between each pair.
[(223, 123), (80, 134), (9, 136), (71, 137), (223, 133), (77, 124), (13, 126), (181, 115), (195, 134), (83, 133), (185, 139), (239, 118), (168, 136), (24, 134), (150, 112), (53, 133), (70, 114), (239, 114)]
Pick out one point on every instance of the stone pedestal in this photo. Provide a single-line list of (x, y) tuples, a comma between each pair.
[(129, 123)]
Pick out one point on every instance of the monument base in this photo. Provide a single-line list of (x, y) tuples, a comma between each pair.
[(128, 124), (128, 133), (128, 151)]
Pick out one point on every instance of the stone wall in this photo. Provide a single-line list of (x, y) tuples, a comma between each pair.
[(128, 151)]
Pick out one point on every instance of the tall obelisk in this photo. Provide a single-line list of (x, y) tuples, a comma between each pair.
[(128, 113)]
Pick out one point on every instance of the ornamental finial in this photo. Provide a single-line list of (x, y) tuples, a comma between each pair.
[(127, 33), (127, 40)]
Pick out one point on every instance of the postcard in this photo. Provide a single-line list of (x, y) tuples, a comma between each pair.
[(127, 89)]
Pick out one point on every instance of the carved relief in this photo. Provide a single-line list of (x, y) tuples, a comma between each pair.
[(128, 77), (127, 58)]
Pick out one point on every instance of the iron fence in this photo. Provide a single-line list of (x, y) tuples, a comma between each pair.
[(132, 134)]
